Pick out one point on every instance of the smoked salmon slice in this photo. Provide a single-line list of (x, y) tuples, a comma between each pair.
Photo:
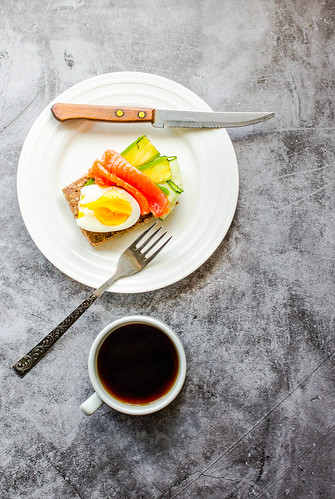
[(103, 178), (114, 163)]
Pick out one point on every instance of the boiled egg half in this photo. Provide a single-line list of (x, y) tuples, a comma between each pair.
[(106, 209)]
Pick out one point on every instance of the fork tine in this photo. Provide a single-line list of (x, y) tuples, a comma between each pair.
[(153, 244), (148, 239), (133, 244), (148, 260)]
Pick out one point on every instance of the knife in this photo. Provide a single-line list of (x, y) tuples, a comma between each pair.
[(159, 118)]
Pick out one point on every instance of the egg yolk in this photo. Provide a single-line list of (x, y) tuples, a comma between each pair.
[(111, 208)]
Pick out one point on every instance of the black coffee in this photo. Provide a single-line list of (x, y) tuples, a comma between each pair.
[(137, 363)]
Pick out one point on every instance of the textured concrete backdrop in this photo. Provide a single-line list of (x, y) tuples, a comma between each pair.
[(256, 416)]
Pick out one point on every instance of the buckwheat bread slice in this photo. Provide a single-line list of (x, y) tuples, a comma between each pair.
[(72, 196)]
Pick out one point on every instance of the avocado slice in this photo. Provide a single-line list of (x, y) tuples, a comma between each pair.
[(158, 170), (141, 151)]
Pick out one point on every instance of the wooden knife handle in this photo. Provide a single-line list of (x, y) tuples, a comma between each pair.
[(66, 111)]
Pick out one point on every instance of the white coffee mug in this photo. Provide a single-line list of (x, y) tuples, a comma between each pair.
[(101, 395)]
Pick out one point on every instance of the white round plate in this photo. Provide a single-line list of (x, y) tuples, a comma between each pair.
[(55, 154)]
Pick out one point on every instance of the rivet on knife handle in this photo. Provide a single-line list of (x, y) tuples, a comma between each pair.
[(67, 111)]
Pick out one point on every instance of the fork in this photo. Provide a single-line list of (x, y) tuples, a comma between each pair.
[(131, 261)]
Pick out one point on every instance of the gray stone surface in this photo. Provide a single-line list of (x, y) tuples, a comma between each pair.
[(256, 415)]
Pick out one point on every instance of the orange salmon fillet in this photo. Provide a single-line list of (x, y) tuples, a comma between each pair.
[(117, 165), (103, 177)]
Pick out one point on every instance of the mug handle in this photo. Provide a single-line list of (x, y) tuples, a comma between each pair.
[(91, 405)]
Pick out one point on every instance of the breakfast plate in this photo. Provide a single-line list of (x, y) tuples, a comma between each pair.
[(55, 154)]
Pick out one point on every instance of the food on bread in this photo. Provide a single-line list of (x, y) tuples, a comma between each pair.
[(113, 167), (115, 196), (72, 196)]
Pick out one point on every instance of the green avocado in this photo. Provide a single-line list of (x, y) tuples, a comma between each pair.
[(141, 151), (164, 171), (158, 169)]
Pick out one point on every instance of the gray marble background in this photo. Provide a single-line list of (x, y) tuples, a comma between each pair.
[(256, 415)]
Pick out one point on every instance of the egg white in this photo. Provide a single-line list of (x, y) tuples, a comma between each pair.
[(90, 193)]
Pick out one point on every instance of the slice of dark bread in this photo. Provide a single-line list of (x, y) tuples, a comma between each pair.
[(72, 196)]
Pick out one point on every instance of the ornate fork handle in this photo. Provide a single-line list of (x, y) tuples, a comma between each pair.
[(131, 261), (34, 356)]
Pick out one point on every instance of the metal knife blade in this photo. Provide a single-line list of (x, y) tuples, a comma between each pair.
[(196, 119), (159, 118)]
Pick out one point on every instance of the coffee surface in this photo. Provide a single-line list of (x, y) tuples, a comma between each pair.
[(137, 364)]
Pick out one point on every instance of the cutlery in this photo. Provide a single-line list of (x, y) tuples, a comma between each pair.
[(131, 261), (159, 118)]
